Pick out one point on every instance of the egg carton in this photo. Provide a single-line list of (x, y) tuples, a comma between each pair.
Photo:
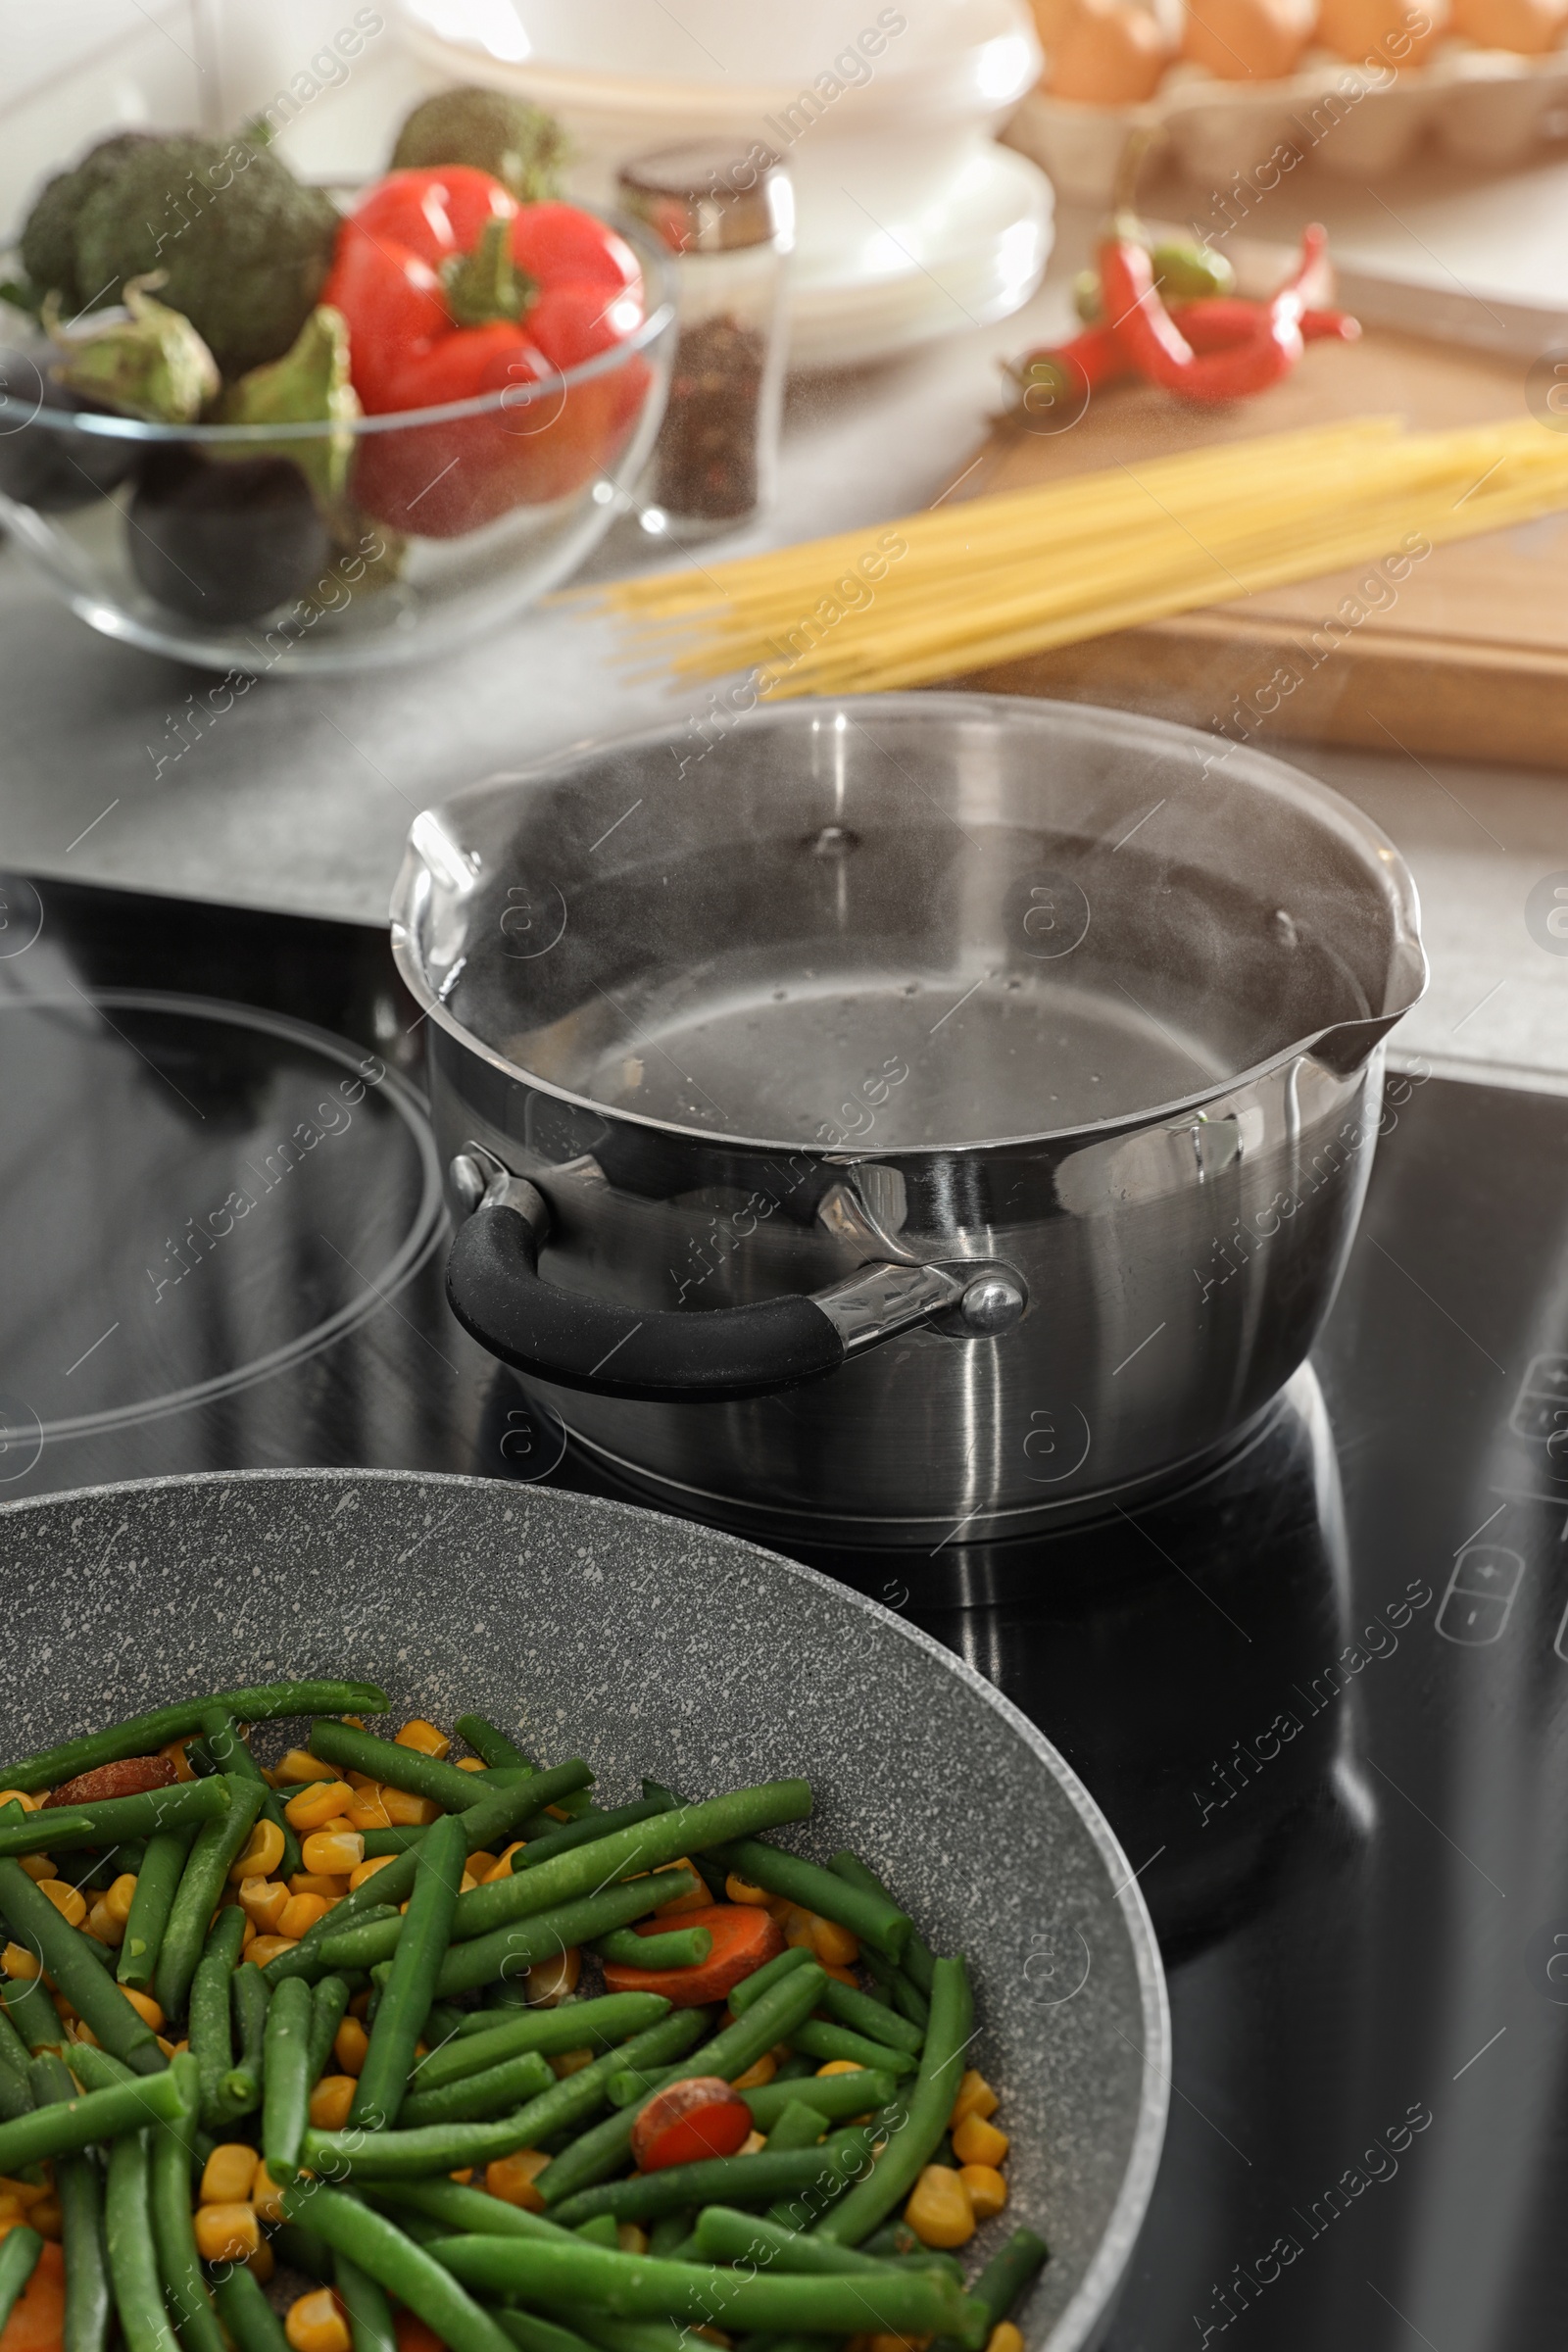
[(1488, 108)]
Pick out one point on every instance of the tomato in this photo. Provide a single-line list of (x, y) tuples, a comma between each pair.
[(688, 2121)]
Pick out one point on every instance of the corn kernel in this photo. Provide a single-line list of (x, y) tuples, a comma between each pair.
[(368, 1810), (145, 2006), (463, 2175), (422, 1735), (227, 2233), (741, 1890), (631, 2240), (753, 2144), (762, 2071), (479, 1867), (103, 1925), (333, 1884), (299, 1767), (407, 1812), (262, 2264), (175, 1752), (38, 1867), (833, 1945), (331, 2100), (121, 1895), (367, 1869), (975, 2141), (350, 2045), (300, 1914), (268, 1948), (333, 1852), (570, 2062), (503, 1863), (69, 1901), (939, 2211), (470, 1764), (317, 1804), (986, 2189), (46, 2218), (263, 1851), (362, 1781), (884, 2340), (24, 1797), (265, 2195), (19, 1962), (841, 2066), (10, 2209), (262, 1901), (27, 2193), (550, 1980), (228, 2175), (840, 1975), (468, 1883), (512, 2178), (315, 2324), (975, 2097)]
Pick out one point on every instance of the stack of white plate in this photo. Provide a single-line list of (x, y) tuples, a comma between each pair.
[(912, 221)]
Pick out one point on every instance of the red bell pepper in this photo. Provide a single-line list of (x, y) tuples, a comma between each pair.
[(452, 291)]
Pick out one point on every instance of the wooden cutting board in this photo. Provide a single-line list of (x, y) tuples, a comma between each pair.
[(1470, 662)]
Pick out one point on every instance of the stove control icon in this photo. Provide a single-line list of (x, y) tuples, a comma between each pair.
[(1541, 1410), (1480, 1597)]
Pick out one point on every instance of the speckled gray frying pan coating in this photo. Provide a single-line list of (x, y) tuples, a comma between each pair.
[(651, 1646)]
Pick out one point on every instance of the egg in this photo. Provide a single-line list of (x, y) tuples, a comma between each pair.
[(1363, 30), (1248, 40), (1108, 54), (1529, 27)]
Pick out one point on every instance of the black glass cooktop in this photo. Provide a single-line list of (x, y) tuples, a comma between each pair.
[(1322, 1696)]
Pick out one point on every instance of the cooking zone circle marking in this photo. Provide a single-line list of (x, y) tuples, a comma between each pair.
[(23, 1431)]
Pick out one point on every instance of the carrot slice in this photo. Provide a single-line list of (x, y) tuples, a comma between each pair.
[(38, 2316), (413, 2335), (689, 2121), (743, 1940)]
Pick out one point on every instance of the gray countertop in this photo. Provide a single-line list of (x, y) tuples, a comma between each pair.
[(299, 797)]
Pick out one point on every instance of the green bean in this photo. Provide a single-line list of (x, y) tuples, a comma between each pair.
[(769, 2020), (452, 2208), (488, 1744), (835, 2098), (174, 2240), (230, 1753), (449, 2147), (354, 1945), (669, 2231), (713, 1874), (32, 2014), (365, 2306), (510, 1950), (848, 2006), (103, 1869), (95, 2070), (907, 2151), (210, 2032), (494, 1815), (76, 1972), (565, 1836), (15, 2056), (402, 2269), (15, 2097), (872, 1916), (129, 2237), (799, 2125), (915, 1958), (287, 2076), (302, 2249), (723, 2235), (531, 2333), (716, 2179), (87, 2299), (329, 2003), (217, 1844), (822, 2042), (682, 1947), (140, 1734), (762, 1980), (499, 2091), (250, 1996), (405, 1768), (399, 2020), (901, 1989), (245, 2311), (1009, 2274), (600, 2230), (148, 1918), (19, 2259), (62, 1829), (645, 2335), (568, 2275), (480, 2041)]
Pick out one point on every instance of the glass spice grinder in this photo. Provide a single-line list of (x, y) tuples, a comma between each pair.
[(726, 212)]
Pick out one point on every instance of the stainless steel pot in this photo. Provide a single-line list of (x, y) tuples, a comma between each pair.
[(928, 1112)]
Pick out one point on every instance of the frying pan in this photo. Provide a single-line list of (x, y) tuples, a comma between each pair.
[(651, 1646)]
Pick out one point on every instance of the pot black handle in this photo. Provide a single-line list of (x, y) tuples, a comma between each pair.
[(575, 1342)]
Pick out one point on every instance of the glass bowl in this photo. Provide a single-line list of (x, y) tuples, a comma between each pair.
[(204, 541)]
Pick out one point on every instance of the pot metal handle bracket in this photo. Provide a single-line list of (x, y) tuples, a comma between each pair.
[(578, 1340)]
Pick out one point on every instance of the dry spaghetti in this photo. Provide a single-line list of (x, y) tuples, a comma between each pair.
[(962, 587)]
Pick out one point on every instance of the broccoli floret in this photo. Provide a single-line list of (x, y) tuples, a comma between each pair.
[(49, 239), (520, 144), (244, 248)]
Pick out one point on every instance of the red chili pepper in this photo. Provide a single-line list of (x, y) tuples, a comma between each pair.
[(1156, 345), (452, 290), (1221, 322), (1054, 384)]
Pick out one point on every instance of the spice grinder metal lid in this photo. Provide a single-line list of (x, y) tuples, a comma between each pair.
[(711, 196)]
